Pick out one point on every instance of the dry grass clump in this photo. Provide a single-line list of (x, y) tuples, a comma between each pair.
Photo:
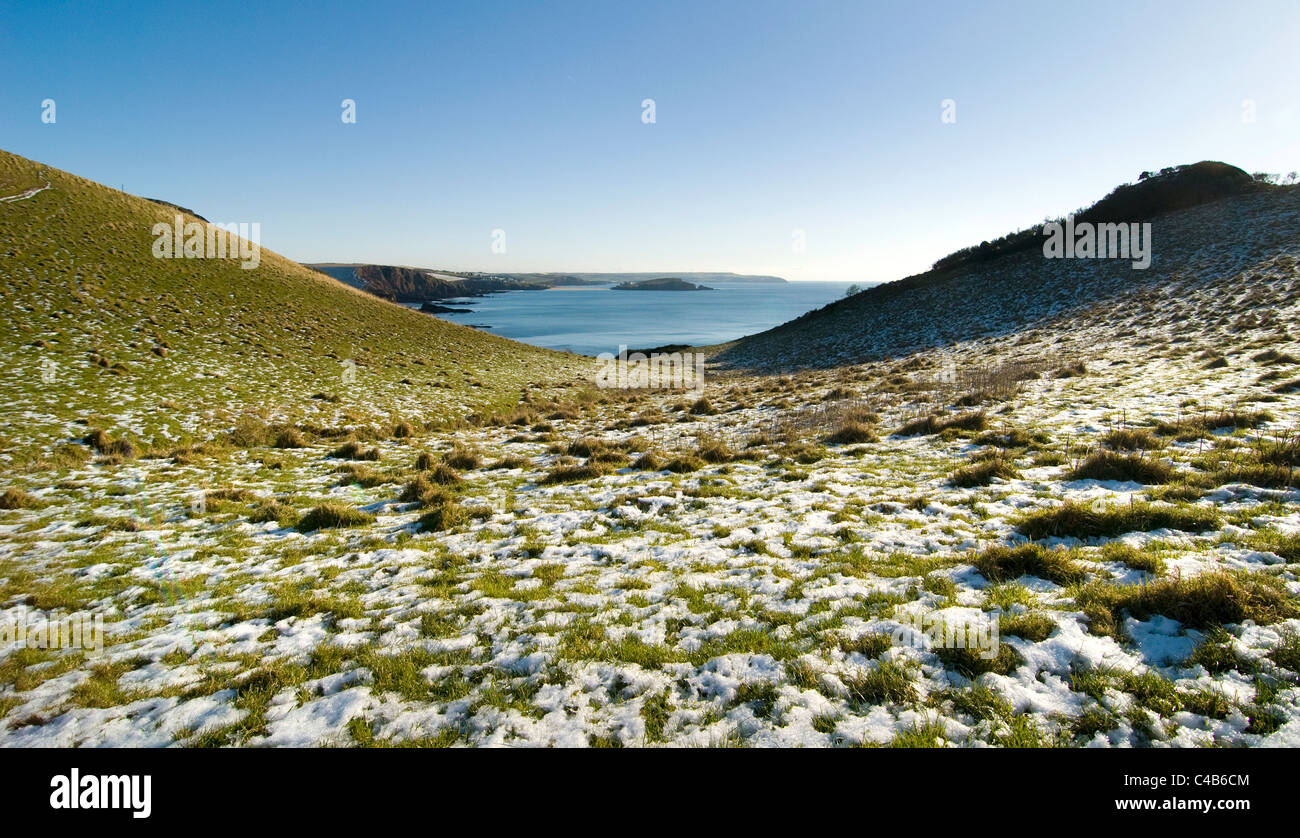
[(444, 475), (576, 472), (611, 458), (586, 447), (564, 412), (1005, 564), (445, 514), (113, 523), (1132, 439), (1072, 370), (330, 515), (983, 470), (1190, 428), (361, 475), (248, 432), (684, 464), (1013, 438), (18, 499), (714, 451), (646, 418), (1288, 386), (354, 450), (100, 441), (852, 433), (991, 382), (424, 461), (1269, 463), (1280, 452), (463, 458), (1201, 602), (268, 510), (703, 407), (975, 420), (520, 417), (424, 491), (69, 455), (972, 663), (442, 511), (1080, 521), (511, 461), (1136, 468), (231, 494), (804, 453), (650, 461), (290, 438), (1273, 356)]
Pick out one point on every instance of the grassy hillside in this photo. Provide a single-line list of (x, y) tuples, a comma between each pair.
[(1114, 490), (101, 333), (1196, 249)]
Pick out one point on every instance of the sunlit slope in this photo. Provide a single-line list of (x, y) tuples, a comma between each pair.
[(98, 328)]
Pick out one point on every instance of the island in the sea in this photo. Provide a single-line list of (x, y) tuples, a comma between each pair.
[(664, 283)]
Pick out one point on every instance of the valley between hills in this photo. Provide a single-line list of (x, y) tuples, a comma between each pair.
[(313, 517)]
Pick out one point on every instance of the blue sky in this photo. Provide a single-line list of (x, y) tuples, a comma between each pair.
[(771, 118)]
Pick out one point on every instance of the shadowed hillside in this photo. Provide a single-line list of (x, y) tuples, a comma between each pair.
[(1208, 224)]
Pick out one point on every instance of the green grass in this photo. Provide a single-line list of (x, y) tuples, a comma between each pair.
[(1133, 558), (886, 682), (931, 734), (301, 600), (1287, 653), (655, 711), (973, 663), (1218, 653)]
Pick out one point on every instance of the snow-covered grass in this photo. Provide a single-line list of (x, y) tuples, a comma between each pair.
[(633, 569)]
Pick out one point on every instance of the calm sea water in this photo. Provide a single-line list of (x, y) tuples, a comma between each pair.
[(592, 320)]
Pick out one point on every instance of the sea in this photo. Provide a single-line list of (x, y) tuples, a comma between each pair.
[(590, 320)]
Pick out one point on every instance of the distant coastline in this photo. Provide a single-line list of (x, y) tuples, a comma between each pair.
[(666, 283)]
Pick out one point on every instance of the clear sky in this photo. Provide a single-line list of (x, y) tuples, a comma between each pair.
[(770, 118)]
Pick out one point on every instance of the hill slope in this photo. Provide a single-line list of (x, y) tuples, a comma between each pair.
[(969, 296), (101, 331)]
